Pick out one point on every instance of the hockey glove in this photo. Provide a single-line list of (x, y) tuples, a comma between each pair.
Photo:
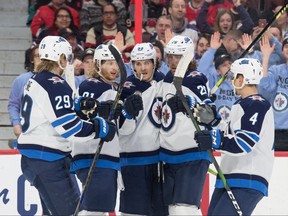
[(86, 107), (104, 129), (176, 104), (207, 115), (208, 139), (106, 107), (132, 105)]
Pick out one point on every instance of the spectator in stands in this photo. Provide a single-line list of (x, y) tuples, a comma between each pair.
[(107, 31), (230, 44), (268, 14), (193, 8), (276, 31), (62, 19), (274, 82), (225, 96), (203, 44), (77, 49), (251, 11), (282, 21), (155, 8), (177, 10), (15, 97), (44, 16), (164, 22), (224, 20), (91, 14)]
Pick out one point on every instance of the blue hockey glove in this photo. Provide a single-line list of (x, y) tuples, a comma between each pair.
[(104, 129), (217, 137), (132, 105), (207, 115), (176, 104)]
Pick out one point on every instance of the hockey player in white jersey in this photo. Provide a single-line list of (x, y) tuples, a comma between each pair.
[(246, 143), (139, 136), (185, 165), (101, 195), (50, 124)]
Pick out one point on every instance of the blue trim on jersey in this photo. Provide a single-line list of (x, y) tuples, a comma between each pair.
[(73, 130), (244, 183), (101, 163), (134, 161), (41, 155), (181, 158), (63, 120), (244, 145)]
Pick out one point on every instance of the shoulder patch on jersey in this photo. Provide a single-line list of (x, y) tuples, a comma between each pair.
[(280, 102), (194, 73), (257, 97), (128, 84), (56, 80), (224, 111)]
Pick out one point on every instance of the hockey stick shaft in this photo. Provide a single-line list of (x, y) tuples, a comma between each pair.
[(123, 75), (277, 15), (177, 81)]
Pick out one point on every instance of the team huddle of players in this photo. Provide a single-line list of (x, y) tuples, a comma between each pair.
[(152, 151)]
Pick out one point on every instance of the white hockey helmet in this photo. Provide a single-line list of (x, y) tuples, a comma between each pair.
[(52, 47), (250, 68), (178, 45), (143, 51), (101, 53)]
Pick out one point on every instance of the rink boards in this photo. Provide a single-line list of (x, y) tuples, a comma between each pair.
[(17, 197)]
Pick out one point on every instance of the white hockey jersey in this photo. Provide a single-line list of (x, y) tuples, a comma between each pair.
[(177, 132), (139, 137), (247, 149), (48, 120), (83, 154)]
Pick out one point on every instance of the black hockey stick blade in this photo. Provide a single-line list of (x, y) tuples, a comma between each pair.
[(123, 76), (277, 15), (177, 81)]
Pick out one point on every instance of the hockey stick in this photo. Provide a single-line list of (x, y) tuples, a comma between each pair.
[(177, 81), (70, 78), (123, 75), (277, 15)]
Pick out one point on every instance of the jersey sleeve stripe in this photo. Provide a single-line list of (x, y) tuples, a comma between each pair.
[(243, 144), (63, 120), (73, 130)]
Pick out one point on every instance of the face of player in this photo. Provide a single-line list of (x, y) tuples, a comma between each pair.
[(63, 19), (110, 70), (144, 69), (202, 46), (237, 83), (172, 61), (158, 53), (224, 67), (88, 65), (225, 23)]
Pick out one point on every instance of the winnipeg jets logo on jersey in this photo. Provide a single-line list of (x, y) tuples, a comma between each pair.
[(224, 111), (280, 102), (168, 118), (128, 84), (194, 73), (155, 112), (56, 80), (257, 97)]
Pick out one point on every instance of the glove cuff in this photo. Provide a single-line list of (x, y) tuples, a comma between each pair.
[(102, 127), (125, 114)]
